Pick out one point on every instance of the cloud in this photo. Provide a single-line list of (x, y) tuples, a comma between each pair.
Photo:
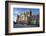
[(15, 18)]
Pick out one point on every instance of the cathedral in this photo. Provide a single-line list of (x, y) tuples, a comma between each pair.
[(24, 18)]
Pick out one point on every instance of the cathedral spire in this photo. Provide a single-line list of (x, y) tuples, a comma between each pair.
[(30, 12)]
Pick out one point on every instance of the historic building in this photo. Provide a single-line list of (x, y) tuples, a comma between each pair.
[(27, 18), (23, 18)]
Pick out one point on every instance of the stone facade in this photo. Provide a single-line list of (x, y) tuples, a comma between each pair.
[(23, 19), (27, 18)]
